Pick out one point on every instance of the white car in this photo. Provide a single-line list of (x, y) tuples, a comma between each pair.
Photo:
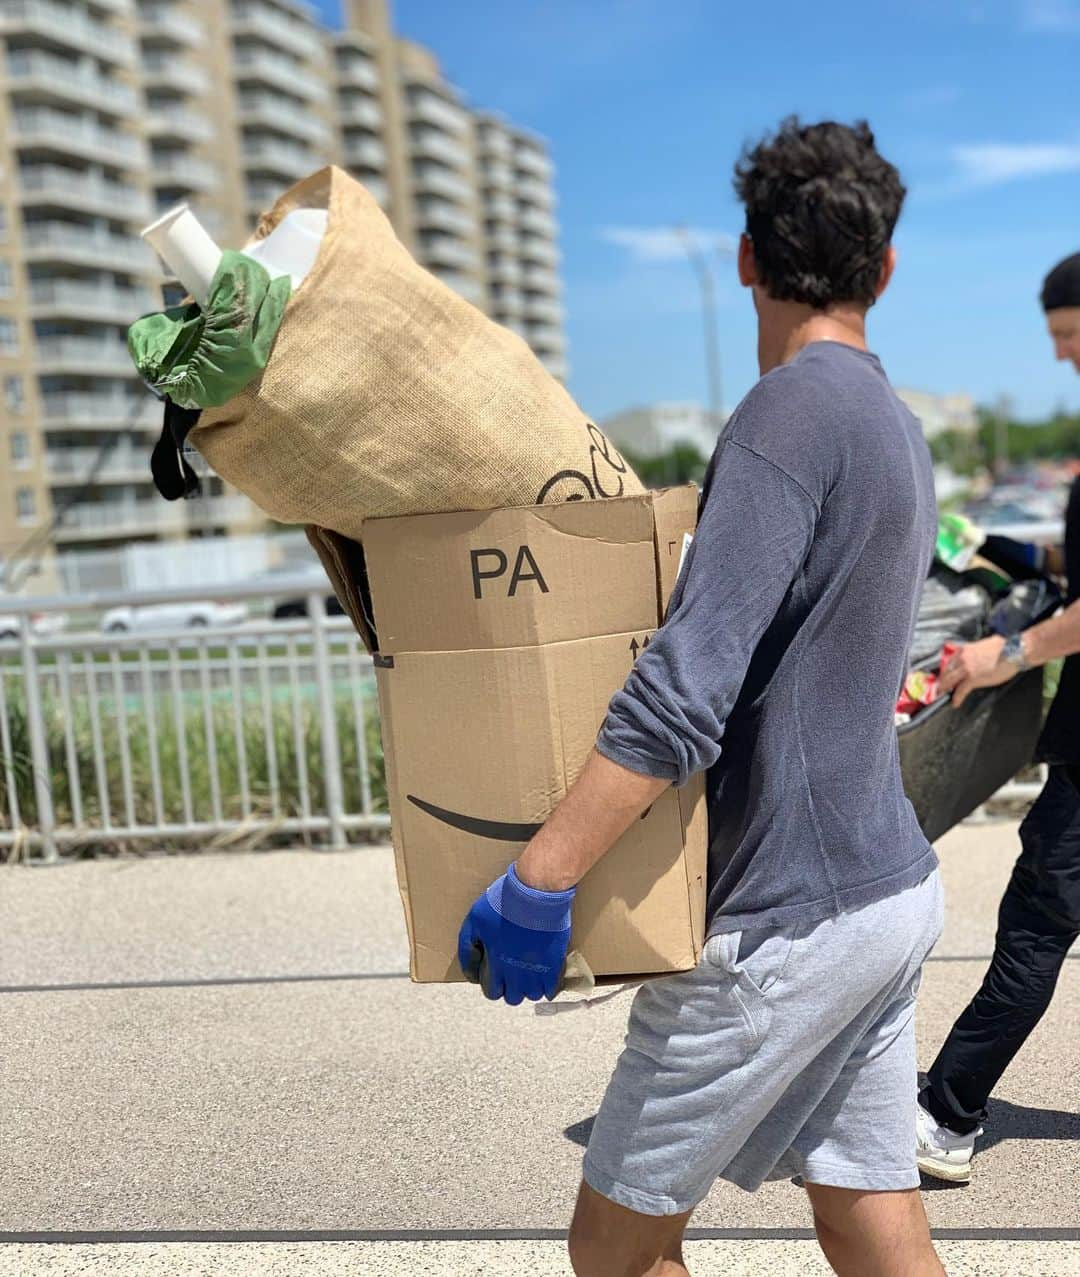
[(172, 616), (41, 623)]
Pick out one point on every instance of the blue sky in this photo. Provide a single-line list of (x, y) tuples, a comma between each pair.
[(646, 104)]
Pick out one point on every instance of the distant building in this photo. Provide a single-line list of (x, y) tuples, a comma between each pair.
[(939, 413), (655, 429)]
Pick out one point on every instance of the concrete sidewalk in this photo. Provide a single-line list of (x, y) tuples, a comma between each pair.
[(217, 1065)]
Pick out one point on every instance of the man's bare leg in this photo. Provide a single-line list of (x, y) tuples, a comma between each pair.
[(874, 1234), (608, 1240)]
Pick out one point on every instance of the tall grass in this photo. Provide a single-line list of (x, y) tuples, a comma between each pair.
[(236, 743)]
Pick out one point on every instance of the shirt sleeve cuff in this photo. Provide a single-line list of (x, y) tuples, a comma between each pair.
[(635, 760)]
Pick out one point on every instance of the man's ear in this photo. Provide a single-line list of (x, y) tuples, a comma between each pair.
[(748, 272), (888, 265)]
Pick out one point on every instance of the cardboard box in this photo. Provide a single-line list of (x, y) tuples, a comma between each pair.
[(502, 637)]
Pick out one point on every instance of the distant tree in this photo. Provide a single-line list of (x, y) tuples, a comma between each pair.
[(681, 464)]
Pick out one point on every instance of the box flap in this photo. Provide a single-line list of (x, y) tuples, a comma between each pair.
[(514, 577)]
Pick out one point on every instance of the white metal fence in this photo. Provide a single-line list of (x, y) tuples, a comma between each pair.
[(167, 736)]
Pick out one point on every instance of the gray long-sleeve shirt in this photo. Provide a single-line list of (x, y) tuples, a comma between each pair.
[(785, 646)]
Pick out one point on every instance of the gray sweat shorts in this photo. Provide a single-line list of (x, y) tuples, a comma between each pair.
[(787, 1052)]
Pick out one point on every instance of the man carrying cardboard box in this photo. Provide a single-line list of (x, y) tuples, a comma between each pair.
[(789, 1050)]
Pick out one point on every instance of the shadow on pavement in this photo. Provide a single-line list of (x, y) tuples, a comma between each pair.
[(580, 1131)]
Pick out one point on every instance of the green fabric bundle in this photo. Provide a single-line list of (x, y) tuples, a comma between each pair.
[(203, 357)]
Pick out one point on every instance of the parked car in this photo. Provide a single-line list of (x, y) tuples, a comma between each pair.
[(290, 609), (43, 624), (172, 616)]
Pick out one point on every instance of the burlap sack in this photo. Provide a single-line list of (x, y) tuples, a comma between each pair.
[(388, 394)]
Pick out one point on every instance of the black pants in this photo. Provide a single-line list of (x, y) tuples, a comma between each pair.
[(1038, 921)]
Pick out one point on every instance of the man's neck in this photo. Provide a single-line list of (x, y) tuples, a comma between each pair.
[(785, 328)]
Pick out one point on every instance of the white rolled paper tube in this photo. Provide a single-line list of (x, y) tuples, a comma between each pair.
[(181, 241)]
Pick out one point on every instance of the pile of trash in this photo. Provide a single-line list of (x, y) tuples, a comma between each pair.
[(972, 592)]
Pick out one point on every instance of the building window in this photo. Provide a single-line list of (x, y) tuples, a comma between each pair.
[(26, 505), (6, 278), (20, 449), (3, 221), (9, 337), (14, 394)]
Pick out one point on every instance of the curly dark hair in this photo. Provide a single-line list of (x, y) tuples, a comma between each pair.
[(821, 207)]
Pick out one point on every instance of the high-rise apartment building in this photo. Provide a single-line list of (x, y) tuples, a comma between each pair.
[(114, 110)]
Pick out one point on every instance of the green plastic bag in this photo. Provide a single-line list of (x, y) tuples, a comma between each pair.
[(201, 358), (958, 540)]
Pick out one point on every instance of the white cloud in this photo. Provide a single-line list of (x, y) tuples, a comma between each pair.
[(993, 164), (668, 243), (1050, 15)]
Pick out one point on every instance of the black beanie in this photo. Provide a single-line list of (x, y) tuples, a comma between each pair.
[(1061, 287)]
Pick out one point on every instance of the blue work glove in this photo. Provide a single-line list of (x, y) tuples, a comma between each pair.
[(513, 942), (1016, 557)]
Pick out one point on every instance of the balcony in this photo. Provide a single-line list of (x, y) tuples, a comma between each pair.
[(168, 71), (500, 208), (429, 144), (497, 177), (540, 279), (263, 195), (365, 153), (72, 465), (532, 163), (177, 124), (531, 219), (77, 135), (533, 191), (544, 310), (77, 299), (82, 246), (426, 107), (177, 170), (269, 155), (96, 520), (540, 251), (507, 302), (84, 410), (358, 72), (362, 114), (259, 21), (273, 111), (279, 72), (494, 142), (68, 188), (446, 250), (83, 356), (48, 75), (439, 215), (433, 179), (68, 27), (503, 240), (504, 270), (161, 22)]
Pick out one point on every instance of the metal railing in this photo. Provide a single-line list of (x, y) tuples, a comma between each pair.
[(161, 737)]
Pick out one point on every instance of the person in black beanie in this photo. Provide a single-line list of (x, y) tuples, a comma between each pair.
[(1039, 918)]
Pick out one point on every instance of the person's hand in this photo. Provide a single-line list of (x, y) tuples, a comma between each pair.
[(976, 665), (514, 940)]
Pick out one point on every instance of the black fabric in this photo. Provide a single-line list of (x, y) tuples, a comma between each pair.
[(173, 476), (1061, 288), (1038, 922), (1060, 740)]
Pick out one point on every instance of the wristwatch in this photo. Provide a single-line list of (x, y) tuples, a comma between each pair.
[(1014, 653)]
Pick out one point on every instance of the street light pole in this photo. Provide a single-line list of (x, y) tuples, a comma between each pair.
[(707, 282)]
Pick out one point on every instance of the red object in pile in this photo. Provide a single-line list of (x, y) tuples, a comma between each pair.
[(922, 687)]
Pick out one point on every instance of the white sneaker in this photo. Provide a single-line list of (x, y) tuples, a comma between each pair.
[(941, 1152)]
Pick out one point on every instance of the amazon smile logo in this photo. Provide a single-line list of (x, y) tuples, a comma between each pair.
[(498, 830)]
